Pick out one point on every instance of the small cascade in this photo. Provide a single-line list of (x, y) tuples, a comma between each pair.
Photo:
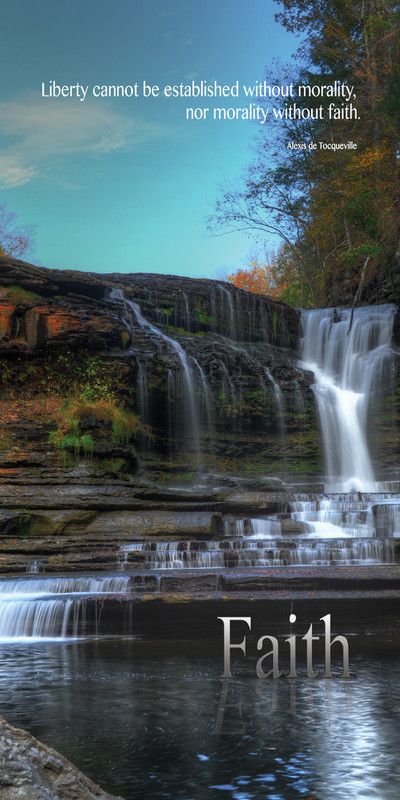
[(279, 401), (265, 378), (34, 566), (298, 399), (52, 607), (386, 516), (334, 516), (206, 396), (187, 312), (228, 387), (172, 555), (253, 551), (326, 518), (228, 311), (45, 586), (337, 530), (143, 392), (277, 390), (252, 528), (190, 405)]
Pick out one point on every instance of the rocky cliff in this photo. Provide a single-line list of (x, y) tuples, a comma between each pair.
[(61, 334), (119, 392)]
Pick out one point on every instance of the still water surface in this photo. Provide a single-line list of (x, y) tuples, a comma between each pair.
[(155, 720)]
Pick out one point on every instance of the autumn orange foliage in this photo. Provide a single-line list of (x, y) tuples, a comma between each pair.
[(257, 278)]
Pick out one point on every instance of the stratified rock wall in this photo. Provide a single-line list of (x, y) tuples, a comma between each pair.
[(238, 402), (175, 384), (210, 372)]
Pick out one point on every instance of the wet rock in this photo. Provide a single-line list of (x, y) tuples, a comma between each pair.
[(29, 770), (44, 523), (135, 525), (242, 349), (294, 526), (66, 502), (270, 501)]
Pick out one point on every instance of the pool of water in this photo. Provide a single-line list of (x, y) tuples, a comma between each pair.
[(155, 720)]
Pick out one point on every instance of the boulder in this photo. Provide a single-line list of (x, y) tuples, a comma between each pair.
[(29, 770)]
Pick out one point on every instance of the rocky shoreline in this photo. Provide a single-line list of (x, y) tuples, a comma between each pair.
[(29, 770)]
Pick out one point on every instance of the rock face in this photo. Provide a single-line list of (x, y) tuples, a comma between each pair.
[(118, 393), (210, 370), (31, 771)]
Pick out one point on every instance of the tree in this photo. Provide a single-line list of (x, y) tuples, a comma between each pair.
[(333, 211), (277, 275), (257, 278), (15, 240)]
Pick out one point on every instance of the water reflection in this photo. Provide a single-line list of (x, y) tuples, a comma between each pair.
[(155, 720)]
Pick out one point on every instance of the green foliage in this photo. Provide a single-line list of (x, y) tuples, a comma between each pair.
[(353, 255), (125, 337), (5, 442), (203, 317), (26, 523), (75, 442), (93, 380), (102, 415), (18, 295), (330, 209), (118, 465), (5, 370), (75, 374), (178, 476), (125, 425), (167, 313)]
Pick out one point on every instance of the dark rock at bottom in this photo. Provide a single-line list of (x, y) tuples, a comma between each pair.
[(29, 770)]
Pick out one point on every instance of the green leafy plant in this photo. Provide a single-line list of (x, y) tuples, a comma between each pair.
[(17, 294), (125, 337), (124, 424)]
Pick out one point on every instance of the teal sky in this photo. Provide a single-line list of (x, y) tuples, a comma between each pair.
[(125, 184)]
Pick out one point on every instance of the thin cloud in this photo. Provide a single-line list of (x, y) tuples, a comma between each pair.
[(13, 172), (36, 135)]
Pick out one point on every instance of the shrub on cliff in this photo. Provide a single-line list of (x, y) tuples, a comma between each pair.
[(79, 421)]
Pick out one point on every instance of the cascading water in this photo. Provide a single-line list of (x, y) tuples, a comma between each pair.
[(353, 523), (52, 607), (351, 358), (191, 411), (265, 543), (349, 362)]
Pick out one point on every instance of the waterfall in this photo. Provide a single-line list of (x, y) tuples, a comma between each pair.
[(189, 390), (172, 555), (235, 331), (350, 367), (258, 550), (190, 410), (206, 396), (52, 607), (190, 406)]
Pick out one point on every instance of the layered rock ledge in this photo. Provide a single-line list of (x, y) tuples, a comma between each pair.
[(209, 373)]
